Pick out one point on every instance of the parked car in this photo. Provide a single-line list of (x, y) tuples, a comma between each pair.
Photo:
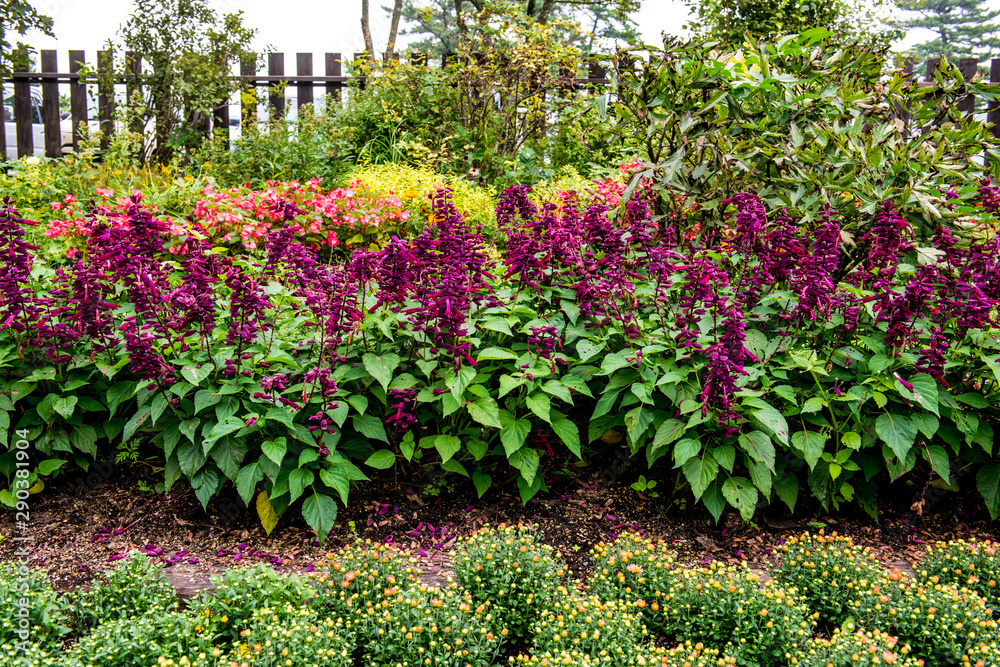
[(37, 129)]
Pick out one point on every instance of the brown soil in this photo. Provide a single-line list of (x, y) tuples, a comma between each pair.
[(74, 522)]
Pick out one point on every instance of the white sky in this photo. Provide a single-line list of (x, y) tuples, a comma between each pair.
[(290, 25)]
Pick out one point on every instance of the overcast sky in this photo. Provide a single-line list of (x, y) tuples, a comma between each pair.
[(286, 25)]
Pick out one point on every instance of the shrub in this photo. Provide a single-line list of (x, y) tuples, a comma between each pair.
[(235, 596), (293, 637), (444, 626), (359, 577), (45, 616), (147, 641), (633, 568), (510, 570), (133, 589), (607, 632), (973, 565), (728, 607), (827, 572), (856, 648)]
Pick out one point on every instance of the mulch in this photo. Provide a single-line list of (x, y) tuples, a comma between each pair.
[(80, 524)]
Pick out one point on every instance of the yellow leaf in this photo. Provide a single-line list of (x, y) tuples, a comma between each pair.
[(268, 519), (37, 488)]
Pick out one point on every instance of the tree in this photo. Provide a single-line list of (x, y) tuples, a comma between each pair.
[(20, 17), (965, 29), (366, 30), (441, 24), (732, 21)]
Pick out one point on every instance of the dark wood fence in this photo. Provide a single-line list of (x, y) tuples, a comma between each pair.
[(306, 82)]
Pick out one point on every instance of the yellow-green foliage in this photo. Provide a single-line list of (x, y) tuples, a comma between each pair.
[(413, 185), (567, 180)]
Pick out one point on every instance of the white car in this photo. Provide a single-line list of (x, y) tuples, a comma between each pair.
[(37, 129)]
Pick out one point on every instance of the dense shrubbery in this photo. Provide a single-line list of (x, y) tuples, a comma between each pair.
[(780, 356), (718, 616)]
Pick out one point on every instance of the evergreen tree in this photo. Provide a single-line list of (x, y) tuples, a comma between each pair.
[(965, 29)]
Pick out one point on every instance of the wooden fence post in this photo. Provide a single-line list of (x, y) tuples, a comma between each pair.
[(304, 89), (993, 113), (105, 98), (133, 85), (50, 105), (248, 113), (77, 96), (967, 103), (334, 67), (276, 91), (23, 112)]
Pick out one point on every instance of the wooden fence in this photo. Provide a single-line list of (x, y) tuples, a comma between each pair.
[(305, 81)]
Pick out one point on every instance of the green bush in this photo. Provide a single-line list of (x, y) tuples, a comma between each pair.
[(688, 654), (729, 608), (607, 632), (633, 568), (827, 572), (852, 647), (356, 579), (293, 637), (45, 617), (238, 593), (135, 588), (508, 569), (430, 625), (150, 640), (973, 565)]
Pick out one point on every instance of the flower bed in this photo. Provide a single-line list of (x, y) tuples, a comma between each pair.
[(717, 615), (778, 358)]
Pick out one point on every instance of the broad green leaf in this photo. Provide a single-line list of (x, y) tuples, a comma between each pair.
[(725, 456), (49, 466), (485, 412), (586, 349), (637, 422), (897, 431), (604, 404), (246, 480), (220, 429), (988, 483), (669, 431), (204, 399), (525, 460), (938, 458), (381, 459), (65, 405), (513, 433), (84, 438), (774, 422), (759, 446), (275, 449), (298, 480), (369, 426), (741, 494), (714, 501), (700, 472), (787, 488), (195, 374), (336, 478), (320, 511), (477, 448), (558, 389), (685, 450), (926, 424), (133, 424), (762, 477), (569, 434), (495, 354), (925, 391), (810, 445), (540, 404), (482, 482), (447, 446), (381, 367)]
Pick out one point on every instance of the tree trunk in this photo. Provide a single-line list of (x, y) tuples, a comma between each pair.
[(458, 17), (367, 31), (545, 11), (397, 10)]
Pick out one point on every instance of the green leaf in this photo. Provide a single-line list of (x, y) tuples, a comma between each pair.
[(358, 402), (191, 458), (45, 409), (228, 453), (298, 480), (447, 446), (787, 488), (742, 495), (133, 424), (369, 426), (280, 415), (762, 477), (195, 374), (65, 405), (528, 490), (774, 422), (482, 482), (496, 324), (84, 438), (381, 367), (637, 422), (540, 404), (714, 501), (246, 481), (49, 466), (814, 404), (525, 460), (268, 519), (382, 459), (460, 382), (725, 456), (485, 412), (759, 447), (477, 448), (221, 429), (851, 440), (205, 483), (988, 483), (685, 449), (320, 511), (938, 458), (897, 431), (700, 472), (925, 392), (604, 404), (669, 431), (809, 444), (559, 390), (513, 433), (586, 349), (275, 449), (569, 434), (117, 394), (336, 478), (495, 354), (204, 399), (613, 362), (926, 424)]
